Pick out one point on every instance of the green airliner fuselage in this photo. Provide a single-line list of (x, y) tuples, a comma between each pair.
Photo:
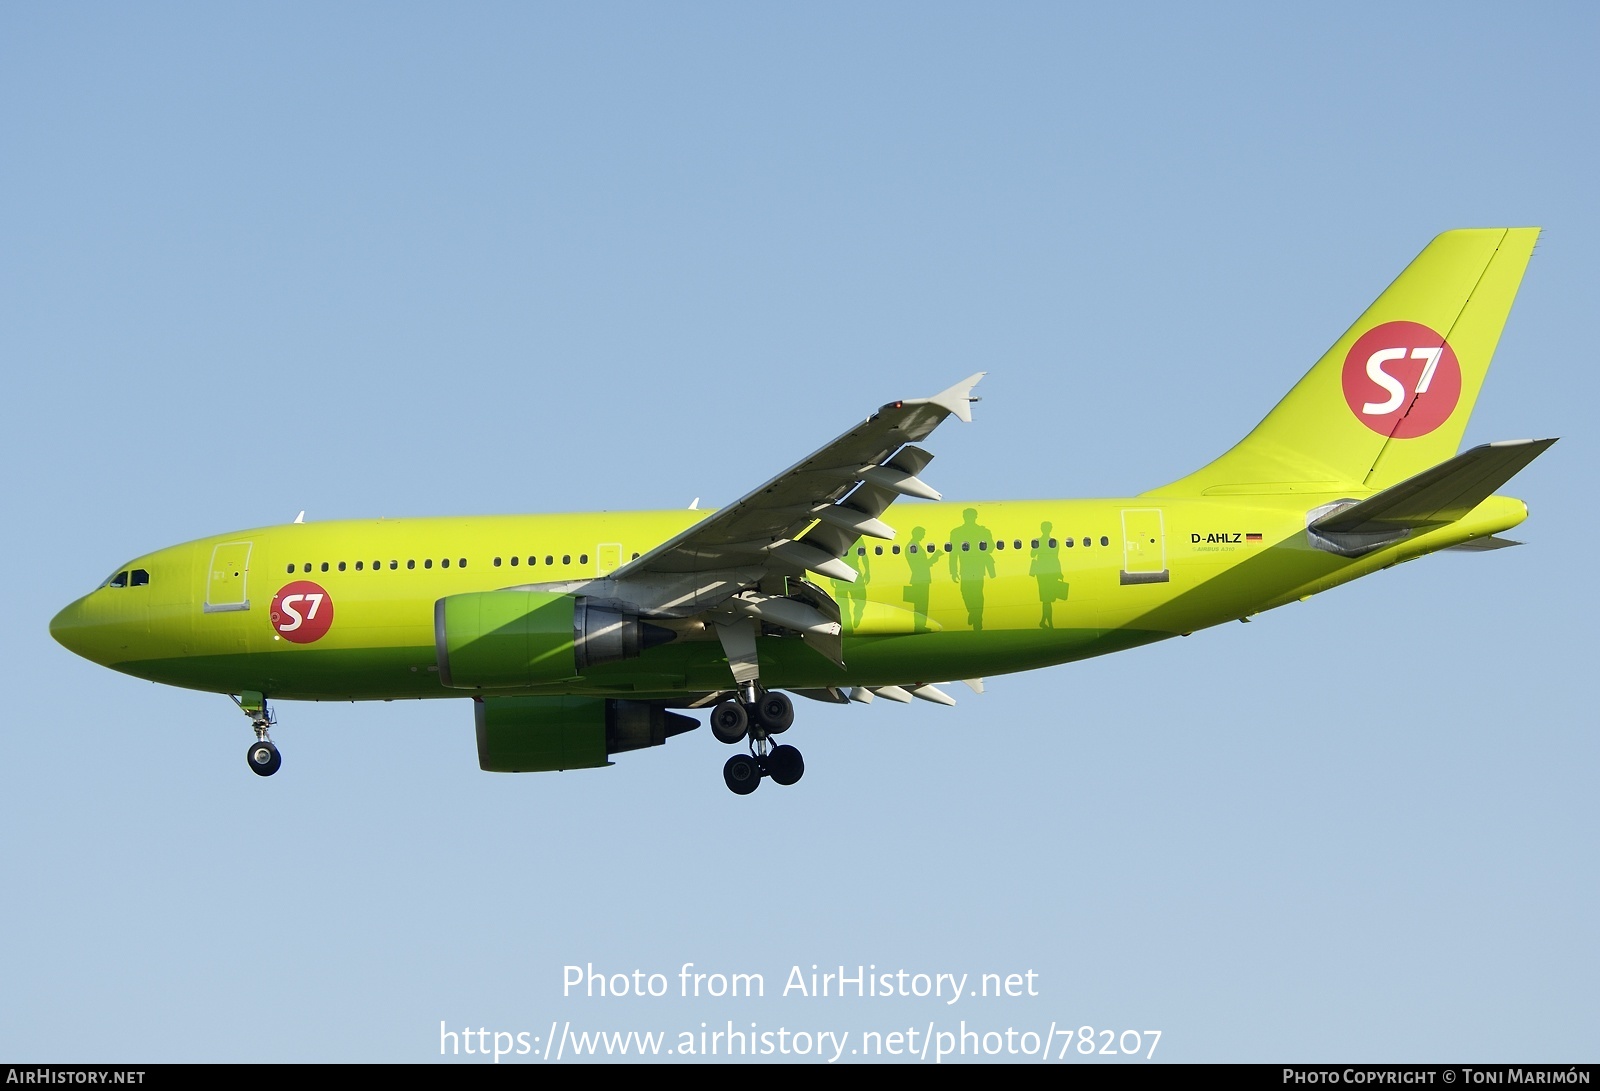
[(1020, 585)]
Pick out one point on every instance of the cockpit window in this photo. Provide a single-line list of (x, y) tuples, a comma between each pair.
[(129, 577)]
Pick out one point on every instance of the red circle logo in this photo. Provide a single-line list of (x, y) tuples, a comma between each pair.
[(1402, 380), (302, 612)]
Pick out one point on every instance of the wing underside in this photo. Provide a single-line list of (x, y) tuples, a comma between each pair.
[(749, 564)]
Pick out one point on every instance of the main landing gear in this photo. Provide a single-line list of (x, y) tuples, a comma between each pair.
[(757, 716), (263, 758)]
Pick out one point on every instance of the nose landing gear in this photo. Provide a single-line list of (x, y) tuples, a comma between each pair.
[(263, 757), (759, 716)]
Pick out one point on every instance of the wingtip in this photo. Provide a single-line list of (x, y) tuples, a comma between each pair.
[(958, 399)]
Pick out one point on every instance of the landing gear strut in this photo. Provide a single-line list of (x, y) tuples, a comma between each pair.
[(263, 757), (758, 716)]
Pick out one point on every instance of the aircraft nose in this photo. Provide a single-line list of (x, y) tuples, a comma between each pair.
[(73, 630)]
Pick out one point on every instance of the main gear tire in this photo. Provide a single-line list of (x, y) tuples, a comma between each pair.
[(729, 722), (742, 774)]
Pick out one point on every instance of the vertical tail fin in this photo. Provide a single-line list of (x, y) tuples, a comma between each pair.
[(1392, 396)]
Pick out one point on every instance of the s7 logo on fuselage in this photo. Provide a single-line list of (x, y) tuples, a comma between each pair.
[(302, 612)]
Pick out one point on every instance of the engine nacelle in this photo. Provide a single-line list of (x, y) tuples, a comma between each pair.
[(515, 639), (539, 734)]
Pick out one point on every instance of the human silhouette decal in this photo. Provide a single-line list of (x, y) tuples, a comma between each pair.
[(971, 562), (1044, 565), (919, 559), (852, 597)]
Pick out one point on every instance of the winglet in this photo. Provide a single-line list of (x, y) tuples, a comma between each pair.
[(958, 399)]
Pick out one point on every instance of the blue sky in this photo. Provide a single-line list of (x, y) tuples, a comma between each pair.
[(408, 259)]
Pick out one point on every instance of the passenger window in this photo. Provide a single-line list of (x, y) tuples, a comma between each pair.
[(636, 556), (1036, 543), (497, 561), (1017, 544), (1001, 544), (981, 545), (138, 578), (896, 550), (583, 558), (966, 547), (445, 563), (566, 558), (861, 551), (1104, 540), (1052, 543), (948, 547), (324, 566), (411, 564), (514, 561), (878, 550), (428, 563), (308, 566), (393, 565), (1087, 543), (291, 569), (1070, 542), (341, 566), (462, 563), (358, 566), (548, 560)]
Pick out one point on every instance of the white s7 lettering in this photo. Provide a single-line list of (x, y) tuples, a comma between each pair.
[(287, 606), (1432, 356), (1375, 372)]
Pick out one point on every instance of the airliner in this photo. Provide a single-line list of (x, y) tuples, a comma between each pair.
[(845, 578)]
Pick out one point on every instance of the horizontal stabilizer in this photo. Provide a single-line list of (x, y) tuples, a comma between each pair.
[(1483, 545), (1437, 496)]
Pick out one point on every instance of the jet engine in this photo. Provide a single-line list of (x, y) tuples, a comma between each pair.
[(515, 639), (538, 734)]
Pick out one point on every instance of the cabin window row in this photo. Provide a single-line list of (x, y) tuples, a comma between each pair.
[(549, 560), (1000, 544), (361, 566)]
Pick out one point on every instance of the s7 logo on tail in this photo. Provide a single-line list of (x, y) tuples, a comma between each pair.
[(1402, 379)]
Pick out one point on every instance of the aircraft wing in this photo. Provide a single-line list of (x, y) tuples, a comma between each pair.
[(744, 565), (806, 517)]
